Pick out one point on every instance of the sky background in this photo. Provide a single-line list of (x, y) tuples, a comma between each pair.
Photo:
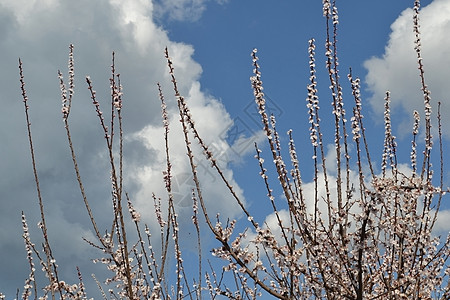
[(210, 43)]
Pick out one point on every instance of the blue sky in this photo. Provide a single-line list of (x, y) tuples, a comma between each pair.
[(210, 42)]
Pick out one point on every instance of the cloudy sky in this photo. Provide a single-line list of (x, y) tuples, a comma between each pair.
[(210, 43)]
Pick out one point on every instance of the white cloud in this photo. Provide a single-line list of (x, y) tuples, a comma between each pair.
[(442, 226), (40, 32), (24, 8), (135, 19), (211, 120), (397, 70), (182, 10)]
